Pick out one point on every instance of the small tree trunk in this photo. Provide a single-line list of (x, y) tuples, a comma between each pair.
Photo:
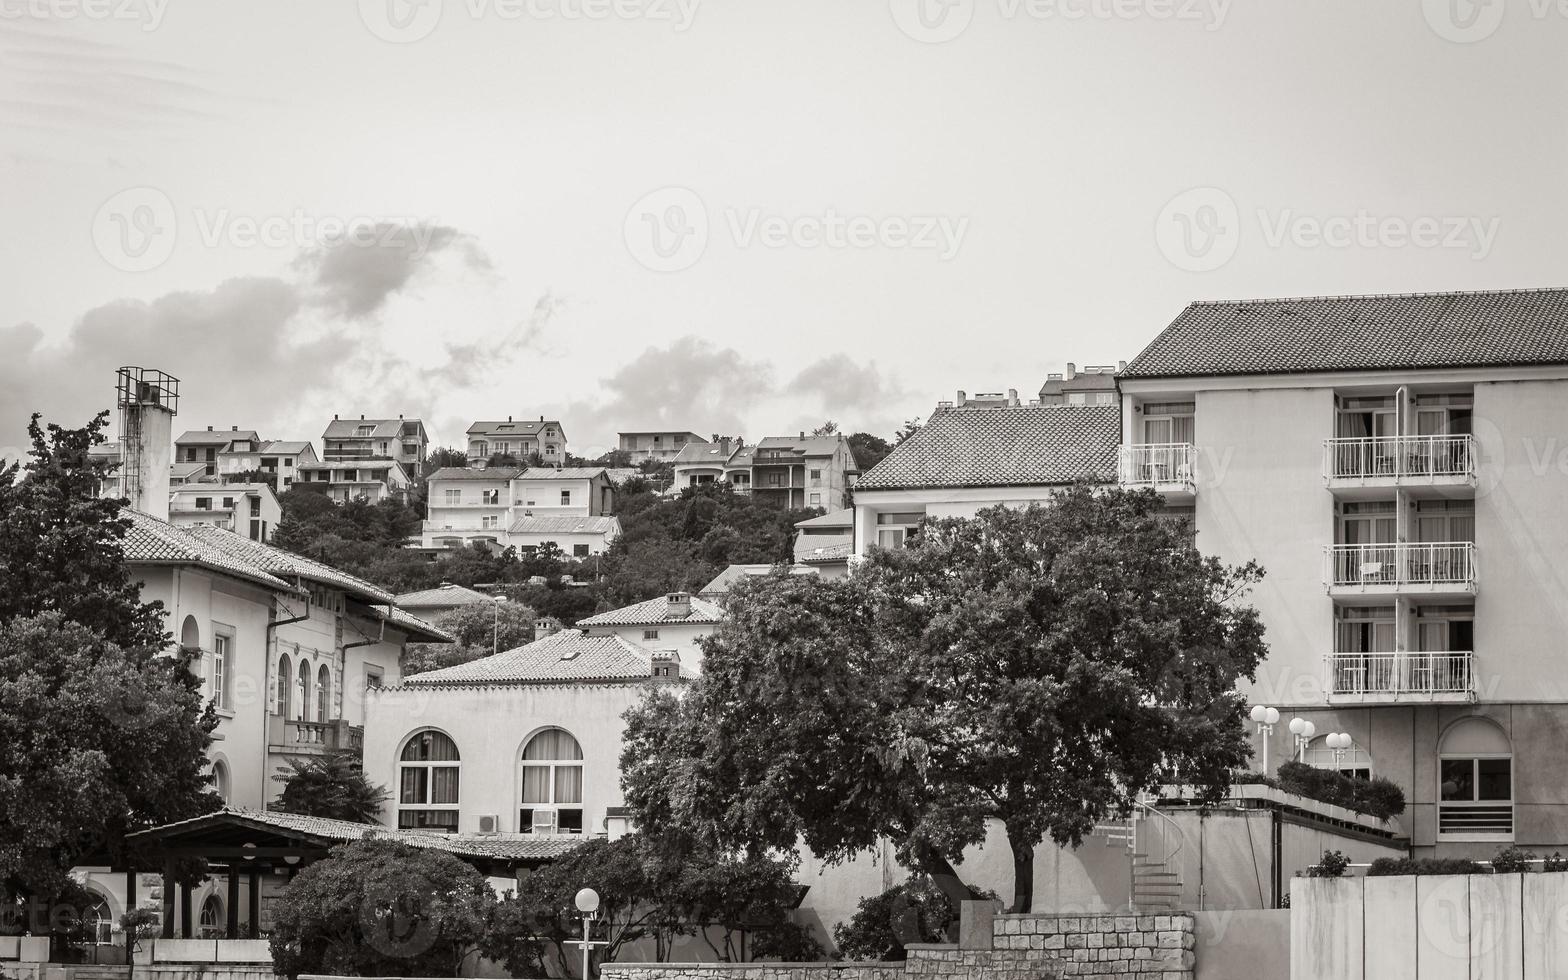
[(1023, 873)]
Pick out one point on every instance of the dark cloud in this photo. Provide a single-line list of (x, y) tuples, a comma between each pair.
[(355, 275), (248, 351), (475, 362), (844, 388)]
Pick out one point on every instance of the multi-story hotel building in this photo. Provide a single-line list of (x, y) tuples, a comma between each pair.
[(1397, 465)]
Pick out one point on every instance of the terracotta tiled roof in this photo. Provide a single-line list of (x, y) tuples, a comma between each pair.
[(563, 657), (283, 448), (1033, 445), (836, 518), (380, 428), (1361, 333), (727, 579), (652, 613), (499, 474), (566, 525), (811, 549), (504, 429), (520, 847), (446, 595), (412, 625), (280, 562), (153, 542)]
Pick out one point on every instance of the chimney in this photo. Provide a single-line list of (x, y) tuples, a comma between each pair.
[(1072, 371), (335, 418), (715, 437), (1012, 396), (148, 401), (1121, 366), (546, 626), (362, 418), (666, 666), (234, 428), (677, 605), (961, 399), (803, 433)]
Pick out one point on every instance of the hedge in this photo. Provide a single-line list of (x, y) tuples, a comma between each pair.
[(1375, 797)]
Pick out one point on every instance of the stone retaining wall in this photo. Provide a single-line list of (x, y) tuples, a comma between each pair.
[(1003, 947)]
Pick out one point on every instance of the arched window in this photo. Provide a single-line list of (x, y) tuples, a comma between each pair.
[(190, 634), (220, 780), (301, 702), (1354, 761), (1475, 782), (323, 693), (100, 923), (285, 688), (428, 783), (552, 783), (212, 921)]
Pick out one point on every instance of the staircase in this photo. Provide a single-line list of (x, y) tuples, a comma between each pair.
[(1154, 845)]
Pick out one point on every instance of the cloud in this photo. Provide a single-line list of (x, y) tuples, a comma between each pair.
[(267, 353), (846, 390), (469, 364)]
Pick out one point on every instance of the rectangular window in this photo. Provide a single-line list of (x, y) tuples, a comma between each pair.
[(579, 551), (258, 530), (566, 498), (220, 671), (452, 497), (372, 679), (894, 530), (816, 500), (490, 522), (228, 503), (204, 503), (650, 634), (492, 497), (816, 478), (255, 506)]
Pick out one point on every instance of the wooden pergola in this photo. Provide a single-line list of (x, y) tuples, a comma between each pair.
[(244, 845)]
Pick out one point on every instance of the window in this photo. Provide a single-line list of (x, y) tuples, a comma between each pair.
[(452, 497), (893, 530), (100, 923), (816, 500), (301, 702), (489, 522), (1168, 423), (220, 780), (410, 449), (566, 498), (204, 503), (428, 783), (549, 449), (228, 503), (1475, 782), (1354, 762), (552, 784), (255, 506), (212, 923), (220, 671), (492, 497), (650, 634), (479, 449), (580, 551), (280, 693), (373, 679), (323, 693), (364, 430)]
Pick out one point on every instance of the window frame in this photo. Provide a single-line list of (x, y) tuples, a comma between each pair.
[(552, 768), (426, 806)]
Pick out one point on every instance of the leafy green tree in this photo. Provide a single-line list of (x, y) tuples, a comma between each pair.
[(909, 428), (332, 785), (442, 458), (100, 735), (63, 544), (380, 908), (827, 428), (913, 912), (1039, 667), (727, 900), (869, 450)]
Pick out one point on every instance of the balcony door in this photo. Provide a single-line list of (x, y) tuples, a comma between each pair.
[(1168, 427), (1444, 531), (1445, 639), (1363, 650), (1373, 422)]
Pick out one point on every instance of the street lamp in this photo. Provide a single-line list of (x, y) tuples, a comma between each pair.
[(1266, 719), (1340, 742), (1303, 730), (588, 907)]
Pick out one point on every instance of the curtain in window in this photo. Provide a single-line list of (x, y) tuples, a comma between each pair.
[(536, 784), (415, 781), (430, 747), (443, 785), (551, 745), (568, 784), (323, 693)]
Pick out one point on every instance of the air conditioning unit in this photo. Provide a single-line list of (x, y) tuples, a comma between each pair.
[(544, 821), (489, 823)]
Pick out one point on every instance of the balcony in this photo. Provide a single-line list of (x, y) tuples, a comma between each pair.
[(312, 737), (1409, 677), (1436, 569), (1400, 461), (1169, 468)]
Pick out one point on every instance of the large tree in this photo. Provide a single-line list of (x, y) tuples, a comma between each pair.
[(1040, 667), (101, 733), (333, 786)]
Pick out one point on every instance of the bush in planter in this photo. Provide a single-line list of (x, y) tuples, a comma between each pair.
[(1556, 862), (1388, 867), (1378, 797), (1333, 865), (1247, 777), (1512, 860)]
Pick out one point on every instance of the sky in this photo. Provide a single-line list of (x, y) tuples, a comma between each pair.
[(728, 215)]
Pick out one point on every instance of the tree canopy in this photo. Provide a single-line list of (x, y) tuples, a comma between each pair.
[(100, 732), (480, 630), (1040, 667), (332, 786)]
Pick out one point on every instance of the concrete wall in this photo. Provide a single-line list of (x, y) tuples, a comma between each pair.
[(680, 637), (490, 727), (1245, 945), (1466, 927)]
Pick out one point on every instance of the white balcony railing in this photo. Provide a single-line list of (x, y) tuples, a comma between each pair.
[(1159, 465), (1397, 458), (1429, 565), (1392, 675)]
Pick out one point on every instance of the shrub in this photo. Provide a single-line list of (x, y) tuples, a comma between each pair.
[(1556, 862), (1387, 867), (1375, 797), (914, 912), (1333, 865), (1248, 777), (1512, 860)]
